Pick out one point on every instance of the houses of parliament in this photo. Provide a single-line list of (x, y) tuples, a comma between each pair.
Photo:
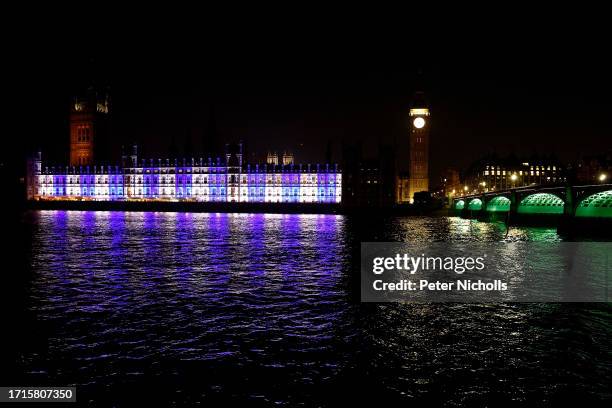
[(221, 179)]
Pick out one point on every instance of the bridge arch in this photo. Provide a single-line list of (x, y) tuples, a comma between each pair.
[(541, 203), (475, 204), (460, 205), (596, 205), (499, 204)]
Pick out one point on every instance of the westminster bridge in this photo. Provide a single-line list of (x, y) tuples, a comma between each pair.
[(563, 204)]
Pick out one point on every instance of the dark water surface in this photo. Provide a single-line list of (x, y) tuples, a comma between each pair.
[(182, 309)]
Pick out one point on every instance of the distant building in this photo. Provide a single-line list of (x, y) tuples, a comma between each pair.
[(493, 173), (33, 173), (593, 169), (287, 158), (450, 181), (368, 182), (272, 158)]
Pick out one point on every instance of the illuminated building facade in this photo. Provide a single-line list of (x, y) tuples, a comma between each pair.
[(287, 158), (272, 158), (492, 173), (227, 180)]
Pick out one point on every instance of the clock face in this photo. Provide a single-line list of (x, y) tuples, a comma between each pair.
[(419, 123)]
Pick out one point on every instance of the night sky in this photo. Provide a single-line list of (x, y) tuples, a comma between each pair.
[(517, 94)]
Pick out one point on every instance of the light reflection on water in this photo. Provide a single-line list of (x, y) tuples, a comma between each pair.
[(263, 307)]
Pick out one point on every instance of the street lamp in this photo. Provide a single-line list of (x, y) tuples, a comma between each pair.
[(513, 177), (465, 188), (603, 177)]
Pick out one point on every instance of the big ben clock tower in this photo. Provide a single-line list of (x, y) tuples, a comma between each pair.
[(419, 146)]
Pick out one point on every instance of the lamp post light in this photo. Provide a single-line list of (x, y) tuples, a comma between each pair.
[(513, 177), (603, 177)]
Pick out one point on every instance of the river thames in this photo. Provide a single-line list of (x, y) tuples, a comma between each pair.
[(184, 308)]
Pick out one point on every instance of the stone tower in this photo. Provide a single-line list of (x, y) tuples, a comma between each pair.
[(419, 146), (88, 123)]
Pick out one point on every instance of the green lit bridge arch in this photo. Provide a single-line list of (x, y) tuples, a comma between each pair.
[(475, 204), (596, 205), (499, 204), (541, 203)]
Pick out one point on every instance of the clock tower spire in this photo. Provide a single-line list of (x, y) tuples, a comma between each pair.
[(419, 146)]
